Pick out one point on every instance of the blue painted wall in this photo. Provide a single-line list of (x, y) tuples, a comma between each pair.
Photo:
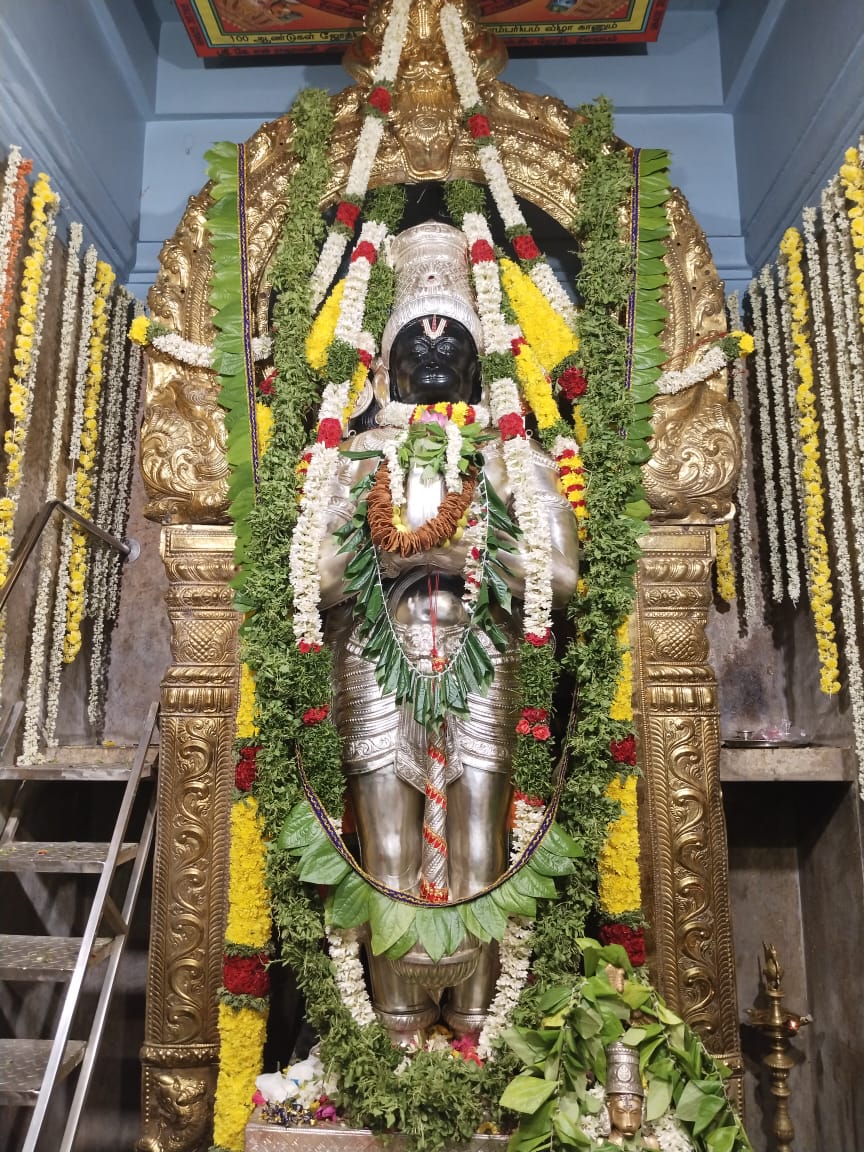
[(77, 85), (671, 97)]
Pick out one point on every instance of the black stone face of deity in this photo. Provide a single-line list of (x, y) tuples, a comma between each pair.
[(433, 360)]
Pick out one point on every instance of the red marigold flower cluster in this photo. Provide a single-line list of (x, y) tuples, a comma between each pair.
[(315, 715), (572, 383), (246, 975), (511, 425), (380, 99), (632, 940), (347, 213), (623, 751), (482, 252), (365, 250), (246, 768), (305, 647), (525, 248), (267, 387), (531, 801), (478, 126), (538, 639), (330, 432), (364, 357)]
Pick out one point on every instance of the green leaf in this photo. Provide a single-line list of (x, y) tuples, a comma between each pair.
[(322, 864), (531, 883), (430, 933), (561, 843), (349, 906), (300, 828), (512, 902), (489, 916), (722, 1139), (699, 1103), (659, 1097), (472, 924), (527, 1093), (389, 920), (407, 940), (531, 1046), (548, 864)]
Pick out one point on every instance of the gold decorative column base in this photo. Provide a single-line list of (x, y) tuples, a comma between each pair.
[(682, 826), (181, 1053)]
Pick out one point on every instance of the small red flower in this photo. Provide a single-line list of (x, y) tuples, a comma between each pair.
[(523, 727), (534, 715), (314, 716), (623, 751), (525, 248), (380, 99), (347, 214), (246, 768), (478, 126), (330, 432), (305, 647), (246, 975), (537, 639), (364, 357), (531, 801), (517, 345), (268, 385), (632, 940), (511, 425), (481, 252), (541, 732), (364, 251), (572, 383)]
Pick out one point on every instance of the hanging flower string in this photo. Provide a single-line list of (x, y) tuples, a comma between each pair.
[(746, 551), (86, 461), (821, 593), (852, 179), (36, 278), (766, 441), (147, 333), (13, 200)]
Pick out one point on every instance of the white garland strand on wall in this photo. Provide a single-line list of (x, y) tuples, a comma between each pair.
[(775, 564), (781, 433), (747, 564), (849, 586), (34, 697), (58, 631)]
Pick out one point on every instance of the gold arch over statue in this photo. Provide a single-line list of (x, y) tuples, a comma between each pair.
[(689, 483)]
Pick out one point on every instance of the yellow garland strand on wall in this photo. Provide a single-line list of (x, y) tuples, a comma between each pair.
[(549, 335), (725, 568), (620, 889), (86, 462), (323, 330), (44, 203), (852, 178), (821, 591), (242, 1032)]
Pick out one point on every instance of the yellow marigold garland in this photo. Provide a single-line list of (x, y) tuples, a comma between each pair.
[(821, 591), (44, 203), (622, 705), (536, 387), (852, 177), (725, 570), (248, 923), (549, 335), (322, 331), (620, 890), (263, 425), (86, 461), (242, 1032)]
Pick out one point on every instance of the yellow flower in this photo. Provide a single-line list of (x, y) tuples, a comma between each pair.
[(620, 889), (138, 330), (725, 569), (245, 725), (242, 1032), (536, 387), (549, 335), (321, 333)]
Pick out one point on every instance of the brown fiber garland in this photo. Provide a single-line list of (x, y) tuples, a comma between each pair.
[(442, 526)]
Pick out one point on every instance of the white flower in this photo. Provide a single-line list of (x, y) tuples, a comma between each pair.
[(394, 468), (327, 267), (460, 61), (452, 475), (350, 978), (514, 955), (368, 143), (748, 553), (546, 280), (502, 194), (771, 519), (7, 211), (711, 361)]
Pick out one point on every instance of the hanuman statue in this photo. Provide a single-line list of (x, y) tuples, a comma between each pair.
[(427, 759)]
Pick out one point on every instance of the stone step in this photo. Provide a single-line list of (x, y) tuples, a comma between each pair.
[(22, 1066), (45, 957), (59, 856)]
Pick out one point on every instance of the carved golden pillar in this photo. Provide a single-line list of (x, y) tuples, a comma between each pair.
[(683, 831), (181, 1052)]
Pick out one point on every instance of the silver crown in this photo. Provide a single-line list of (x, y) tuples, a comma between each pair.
[(430, 263), (622, 1071)]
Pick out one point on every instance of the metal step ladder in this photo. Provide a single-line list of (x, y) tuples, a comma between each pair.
[(30, 1069)]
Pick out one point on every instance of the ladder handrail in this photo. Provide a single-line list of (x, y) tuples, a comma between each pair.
[(128, 548)]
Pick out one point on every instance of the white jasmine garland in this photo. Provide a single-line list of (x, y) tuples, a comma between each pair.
[(58, 631), (711, 361), (530, 515), (394, 469), (453, 454), (368, 143), (792, 381), (514, 954), (545, 279), (837, 233), (765, 438), (460, 61), (7, 211), (393, 42), (749, 581), (502, 194), (847, 572), (475, 540), (353, 304), (201, 355), (396, 414), (350, 979), (35, 691), (327, 267), (527, 818), (783, 433)]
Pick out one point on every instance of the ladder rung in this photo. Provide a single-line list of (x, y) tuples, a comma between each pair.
[(45, 957), (73, 771), (23, 1063), (59, 856)]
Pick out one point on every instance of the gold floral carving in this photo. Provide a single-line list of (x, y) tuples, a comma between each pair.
[(689, 483), (190, 865), (681, 822)]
